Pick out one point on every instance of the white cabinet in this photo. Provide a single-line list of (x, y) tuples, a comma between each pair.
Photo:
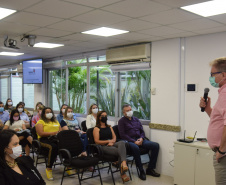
[(193, 164)]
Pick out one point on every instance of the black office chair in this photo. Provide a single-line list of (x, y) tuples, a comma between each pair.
[(70, 146), (103, 158), (143, 151), (83, 125)]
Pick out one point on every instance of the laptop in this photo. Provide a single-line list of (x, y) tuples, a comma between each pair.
[(187, 140)]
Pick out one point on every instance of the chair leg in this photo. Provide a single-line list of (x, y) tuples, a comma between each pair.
[(111, 173), (79, 180), (129, 173), (99, 174), (63, 176)]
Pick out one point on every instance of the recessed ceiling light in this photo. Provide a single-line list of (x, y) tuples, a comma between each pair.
[(5, 12), (10, 53), (47, 45), (208, 8), (105, 32)]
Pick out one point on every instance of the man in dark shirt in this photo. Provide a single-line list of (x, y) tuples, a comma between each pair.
[(131, 130)]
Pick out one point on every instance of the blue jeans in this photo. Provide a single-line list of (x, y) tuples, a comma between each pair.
[(150, 146), (84, 140)]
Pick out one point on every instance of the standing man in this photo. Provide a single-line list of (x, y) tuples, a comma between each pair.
[(216, 135), (4, 115), (131, 130)]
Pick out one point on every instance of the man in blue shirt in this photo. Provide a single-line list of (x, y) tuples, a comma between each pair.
[(4, 115), (131, 130)]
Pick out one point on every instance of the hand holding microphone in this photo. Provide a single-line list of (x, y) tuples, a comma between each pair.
[(204, 102)]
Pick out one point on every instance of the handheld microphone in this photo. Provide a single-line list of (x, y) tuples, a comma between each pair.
[(205, 96)]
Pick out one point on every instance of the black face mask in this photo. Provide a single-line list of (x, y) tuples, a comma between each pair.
[(104, 119)]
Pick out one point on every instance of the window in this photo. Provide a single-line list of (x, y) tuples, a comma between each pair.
[(77, 61), (77, 82), (135, 90), (29, 95), (102, 88), (57, 90), (16, 88), (4, 89)]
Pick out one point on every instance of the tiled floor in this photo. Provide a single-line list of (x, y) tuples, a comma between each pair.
[(106, 178)]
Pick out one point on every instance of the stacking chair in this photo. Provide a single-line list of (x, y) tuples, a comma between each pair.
[(70, 146), (97, 150), (129, 153), (83, 125)]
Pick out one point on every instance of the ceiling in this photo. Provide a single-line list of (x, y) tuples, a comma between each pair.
[(62, 21)]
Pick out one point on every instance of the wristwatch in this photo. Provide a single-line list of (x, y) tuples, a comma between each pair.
[(218, 149)]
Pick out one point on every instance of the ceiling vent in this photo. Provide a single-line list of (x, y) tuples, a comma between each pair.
[(136, 53)]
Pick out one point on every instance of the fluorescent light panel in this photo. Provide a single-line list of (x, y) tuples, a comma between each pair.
[(105, 32), (47, 45), (208, 8), (10, 53), (5, 12)]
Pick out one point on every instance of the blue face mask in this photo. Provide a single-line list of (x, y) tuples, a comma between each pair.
[(213, 82), (1, 109)]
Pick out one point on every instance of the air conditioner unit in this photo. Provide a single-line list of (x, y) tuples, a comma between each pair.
[(134, 53)]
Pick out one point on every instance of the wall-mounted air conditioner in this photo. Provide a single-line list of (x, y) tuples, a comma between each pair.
[(134, 53)]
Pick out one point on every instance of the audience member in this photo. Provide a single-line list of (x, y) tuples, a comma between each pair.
[(62, 111), (25, 110), (9, 105), (37, 117), (38, 104), (23, 115), (105, 136), (18, 125), (1, 125), (4, 115), (47, 128), (70, 123), (16, 170), (131, 130), (91, 118)]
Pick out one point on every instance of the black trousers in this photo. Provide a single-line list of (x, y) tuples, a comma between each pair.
[(51, 148)]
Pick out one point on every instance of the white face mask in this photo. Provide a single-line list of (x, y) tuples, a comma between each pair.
[(17, 151), (49, 115), (63, 111), (129, 113), (10, 103), (20, 109), (95, 111), (69, 114)]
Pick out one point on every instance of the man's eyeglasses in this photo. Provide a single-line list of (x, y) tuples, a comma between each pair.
[(211, 74)]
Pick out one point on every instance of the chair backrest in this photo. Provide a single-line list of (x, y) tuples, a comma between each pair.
[(70, 140), (90, 137), (34, 133), (115, 128), (83, 124)]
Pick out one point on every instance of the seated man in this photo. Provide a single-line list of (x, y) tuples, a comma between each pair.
[(4, 115), (131, 130)]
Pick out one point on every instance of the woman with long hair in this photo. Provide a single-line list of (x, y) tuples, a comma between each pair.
[(18, 125), (48, 127), (14, 168), (104, 135), (91, 118), (9, 105)]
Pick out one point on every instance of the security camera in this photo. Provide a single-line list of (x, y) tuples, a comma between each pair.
[(31, 39), (11, 43)]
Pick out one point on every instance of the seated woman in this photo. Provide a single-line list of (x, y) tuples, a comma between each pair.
[(62, 111), (18, 125), (69, 123), (25, 110), (91, 118), (9, 105), (15, 169), (37, 117), (105, 136), (23, 115), (46, 127), (38, 104)]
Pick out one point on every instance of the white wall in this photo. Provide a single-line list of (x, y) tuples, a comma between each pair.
[(172, 104)]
